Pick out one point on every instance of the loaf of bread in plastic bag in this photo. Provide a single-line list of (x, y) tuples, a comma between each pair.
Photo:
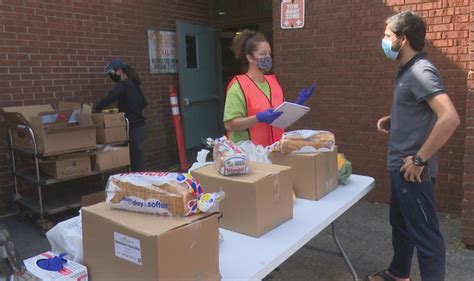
[(296, 140), (229, 158), (171, 194)]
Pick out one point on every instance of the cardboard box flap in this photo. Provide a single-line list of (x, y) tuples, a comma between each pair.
[(85, 122), (257, 172), (64, 105), (87, 108), (146, 224), (27, 112)]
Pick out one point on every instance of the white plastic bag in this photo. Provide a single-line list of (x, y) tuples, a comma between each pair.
[(201, 160), (253, 152), (66, 237)]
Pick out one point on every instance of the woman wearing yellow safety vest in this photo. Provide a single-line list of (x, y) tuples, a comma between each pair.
[(252, 97)]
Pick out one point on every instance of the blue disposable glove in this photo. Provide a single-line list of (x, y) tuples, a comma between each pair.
[(53, 264), (305, 94), (268, 116)]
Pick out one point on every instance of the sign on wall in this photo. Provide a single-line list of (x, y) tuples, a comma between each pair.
[(162, 51), (292, 14)]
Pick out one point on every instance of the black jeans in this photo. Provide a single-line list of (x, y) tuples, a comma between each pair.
[(137, 148), (415, 225)]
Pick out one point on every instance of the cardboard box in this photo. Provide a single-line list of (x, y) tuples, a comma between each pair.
[(122, 246), (51, 138), (67, 165), (315, 174), (111, 135), (111, 158), (20, 115), (92, 198), (111, 127), (254, 203), (72, 271), (64, 105)]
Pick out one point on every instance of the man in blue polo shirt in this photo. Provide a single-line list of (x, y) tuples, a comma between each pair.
[(421, 121)]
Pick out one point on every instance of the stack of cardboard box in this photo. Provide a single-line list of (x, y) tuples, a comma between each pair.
[(111, 131), (55, 132), (68, 137), (111, 127), (120, 244), (124, 245)]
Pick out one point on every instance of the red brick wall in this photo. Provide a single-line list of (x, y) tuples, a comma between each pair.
[(339, 47), (55, 52), (468, 185)]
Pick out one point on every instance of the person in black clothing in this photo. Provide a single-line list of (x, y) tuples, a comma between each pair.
[(130, 99)]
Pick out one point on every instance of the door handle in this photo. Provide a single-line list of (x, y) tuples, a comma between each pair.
[(186, 102)]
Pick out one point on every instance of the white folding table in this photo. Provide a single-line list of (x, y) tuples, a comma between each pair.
[(243, 257)]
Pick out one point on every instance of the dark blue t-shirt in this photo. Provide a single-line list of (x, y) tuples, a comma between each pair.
[(412, 119)]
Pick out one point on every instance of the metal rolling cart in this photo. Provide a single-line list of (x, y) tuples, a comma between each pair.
[(40, 207)]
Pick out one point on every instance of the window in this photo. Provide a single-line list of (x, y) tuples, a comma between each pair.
[(191, 52)]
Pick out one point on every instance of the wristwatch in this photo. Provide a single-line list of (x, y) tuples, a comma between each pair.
[(417, 161)]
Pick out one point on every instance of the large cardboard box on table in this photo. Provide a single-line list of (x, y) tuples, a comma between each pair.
[(315, 174), (54, 131), (122, 246), (111, 127), (254, 203), (111, 157), (67, 165)]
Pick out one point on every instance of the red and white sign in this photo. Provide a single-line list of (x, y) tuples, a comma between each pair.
[(292, 14)]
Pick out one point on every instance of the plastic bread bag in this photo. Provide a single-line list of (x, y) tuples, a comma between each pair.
[(228, 157), (305, 141), (169, 194), (344, 169), (253, 152), (201, 160)]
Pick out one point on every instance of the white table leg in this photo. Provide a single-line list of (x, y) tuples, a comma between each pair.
[(344, 255)]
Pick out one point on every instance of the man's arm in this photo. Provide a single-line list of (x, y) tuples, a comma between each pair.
[(448, 121)]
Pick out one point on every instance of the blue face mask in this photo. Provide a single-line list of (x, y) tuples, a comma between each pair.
[(387, 49), (265, 63)]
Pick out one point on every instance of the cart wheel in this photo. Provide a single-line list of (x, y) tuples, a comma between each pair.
[(23, 215), (45, 225)]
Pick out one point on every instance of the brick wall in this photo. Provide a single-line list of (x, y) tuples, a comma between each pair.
[(468, 185), (339, 47), (55, 52)]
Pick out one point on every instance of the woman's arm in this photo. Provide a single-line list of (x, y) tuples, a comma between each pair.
[(240, 123), (111, 97)]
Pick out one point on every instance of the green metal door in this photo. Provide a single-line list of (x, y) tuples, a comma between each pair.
[(198, 88)]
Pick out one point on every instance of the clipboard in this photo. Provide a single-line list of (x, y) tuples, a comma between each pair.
[(292, 112)]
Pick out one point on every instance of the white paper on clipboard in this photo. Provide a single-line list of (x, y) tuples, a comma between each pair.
[(291, 113)]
